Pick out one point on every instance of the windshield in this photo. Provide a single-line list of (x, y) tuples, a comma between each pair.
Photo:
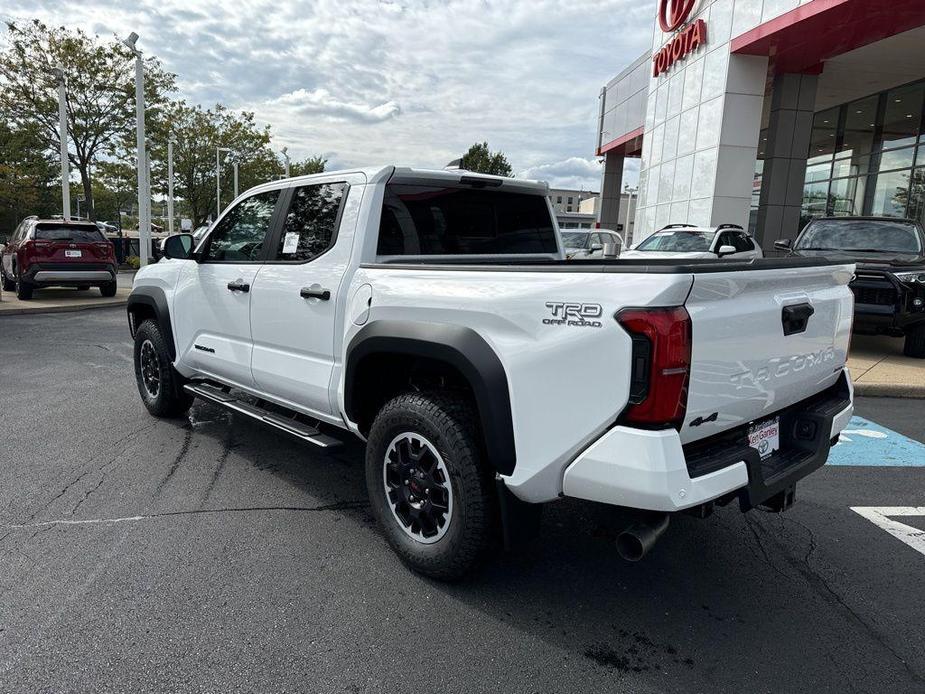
[(678, 241), (864, 235), (63, 232), (574, 239)]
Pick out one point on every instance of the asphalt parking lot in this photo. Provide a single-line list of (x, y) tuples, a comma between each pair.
[(215, 555)]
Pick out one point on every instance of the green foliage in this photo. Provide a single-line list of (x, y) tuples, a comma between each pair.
[(481, 159), (100, 90), (306, 167), (133, 261), (26, 176)]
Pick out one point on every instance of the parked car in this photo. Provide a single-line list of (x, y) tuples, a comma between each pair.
[(53, 252), (889, 290), (589, 245), (688, 242), (433, 314)]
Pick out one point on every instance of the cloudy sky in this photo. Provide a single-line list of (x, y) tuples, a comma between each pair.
[(412, 82)]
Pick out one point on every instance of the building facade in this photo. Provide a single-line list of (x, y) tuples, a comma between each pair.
[(567, 206), (767, 113)]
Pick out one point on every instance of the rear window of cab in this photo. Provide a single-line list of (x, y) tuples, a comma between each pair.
[(425, 220)]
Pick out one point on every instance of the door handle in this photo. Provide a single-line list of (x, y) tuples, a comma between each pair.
[(795, 318), (315, 292), (239, 286)]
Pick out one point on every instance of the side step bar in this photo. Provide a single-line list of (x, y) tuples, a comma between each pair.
[(292, 426)]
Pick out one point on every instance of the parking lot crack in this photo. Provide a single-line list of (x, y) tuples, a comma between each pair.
[(336, 506), (815, 578)]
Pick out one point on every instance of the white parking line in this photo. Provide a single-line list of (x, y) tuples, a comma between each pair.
[(880, 516)]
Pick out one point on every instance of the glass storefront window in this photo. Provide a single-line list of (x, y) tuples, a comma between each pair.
[(847, 196), (917, 196), (902, 117), (815, 199), (891, 194), (897, 159), (825, 129), (851, 167), (819, 172), (860, 124)]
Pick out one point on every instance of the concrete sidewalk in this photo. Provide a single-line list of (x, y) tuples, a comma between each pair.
[(64, 299), (879, 368)]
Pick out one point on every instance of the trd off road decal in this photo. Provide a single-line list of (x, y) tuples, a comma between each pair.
[(574, 315)]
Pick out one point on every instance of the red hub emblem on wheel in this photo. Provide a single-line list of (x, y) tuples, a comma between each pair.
[(673, 13)]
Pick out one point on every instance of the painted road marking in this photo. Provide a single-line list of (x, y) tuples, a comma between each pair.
[(865, 443), (880, 516)]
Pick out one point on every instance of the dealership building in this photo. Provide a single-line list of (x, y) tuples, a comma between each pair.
[(767, 113)]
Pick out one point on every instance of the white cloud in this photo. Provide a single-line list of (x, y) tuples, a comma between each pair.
[(403, 81), (575, 173), (320, 102)]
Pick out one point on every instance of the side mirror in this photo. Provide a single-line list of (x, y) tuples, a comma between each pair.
[(726, 250), (595, 248), (179, 246), (783, 244)]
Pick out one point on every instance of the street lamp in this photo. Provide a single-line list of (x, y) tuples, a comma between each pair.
[(235, 165), (62, 135), (630, 227), (171, 141), (144, 186), (218, 179), (285, 153)]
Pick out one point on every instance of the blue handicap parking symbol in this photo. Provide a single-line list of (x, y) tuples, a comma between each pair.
[(865, 443)]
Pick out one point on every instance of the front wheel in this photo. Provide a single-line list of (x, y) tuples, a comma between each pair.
[(108, 289), (915, 342), (159, 385), (428, 484), (8, 284)]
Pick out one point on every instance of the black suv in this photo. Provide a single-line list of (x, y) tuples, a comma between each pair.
[(889, 286)]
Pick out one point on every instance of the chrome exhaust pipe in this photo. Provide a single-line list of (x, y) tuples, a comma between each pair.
[(635, 542)]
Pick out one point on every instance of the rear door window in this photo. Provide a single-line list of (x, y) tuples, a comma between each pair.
[(423, 220), (64, 232), (311, 222)]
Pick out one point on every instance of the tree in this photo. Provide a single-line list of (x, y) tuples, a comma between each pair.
[(198, 133), (27, 175), (100, 91), (482, 160), (308, 166)]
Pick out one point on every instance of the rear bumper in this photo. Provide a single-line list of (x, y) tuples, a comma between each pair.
[(651, 470), (66, 275)]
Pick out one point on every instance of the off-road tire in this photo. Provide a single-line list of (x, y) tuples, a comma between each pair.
[(449, 423), (170, 400), (108, 289), (915, 342)]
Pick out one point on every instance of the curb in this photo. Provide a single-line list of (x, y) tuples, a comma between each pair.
[(61, 309), (890, 390)]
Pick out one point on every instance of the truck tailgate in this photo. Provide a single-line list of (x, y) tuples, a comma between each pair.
[(762, 341)]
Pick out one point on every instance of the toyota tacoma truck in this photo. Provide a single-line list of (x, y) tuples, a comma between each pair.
[(433, 314)]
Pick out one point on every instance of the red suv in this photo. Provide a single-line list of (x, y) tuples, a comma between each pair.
[(57, 253)]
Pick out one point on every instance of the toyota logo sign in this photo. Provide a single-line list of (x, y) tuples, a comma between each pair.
[(673, 13)]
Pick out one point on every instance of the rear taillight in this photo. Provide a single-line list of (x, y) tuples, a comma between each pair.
[(660, 365)]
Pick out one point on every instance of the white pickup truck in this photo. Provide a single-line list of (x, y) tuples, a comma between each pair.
[(433, 314)]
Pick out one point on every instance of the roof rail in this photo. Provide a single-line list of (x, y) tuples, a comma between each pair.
[(678, 226), (730, 226)]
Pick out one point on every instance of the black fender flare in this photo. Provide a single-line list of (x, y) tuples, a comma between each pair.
[(156, 299), (462, 348)]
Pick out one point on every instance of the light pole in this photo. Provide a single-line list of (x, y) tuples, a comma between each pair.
[(629, 218), (170, 143), (218, 179), (144, 187), (235, 164), (285, 153), (62, 135)]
